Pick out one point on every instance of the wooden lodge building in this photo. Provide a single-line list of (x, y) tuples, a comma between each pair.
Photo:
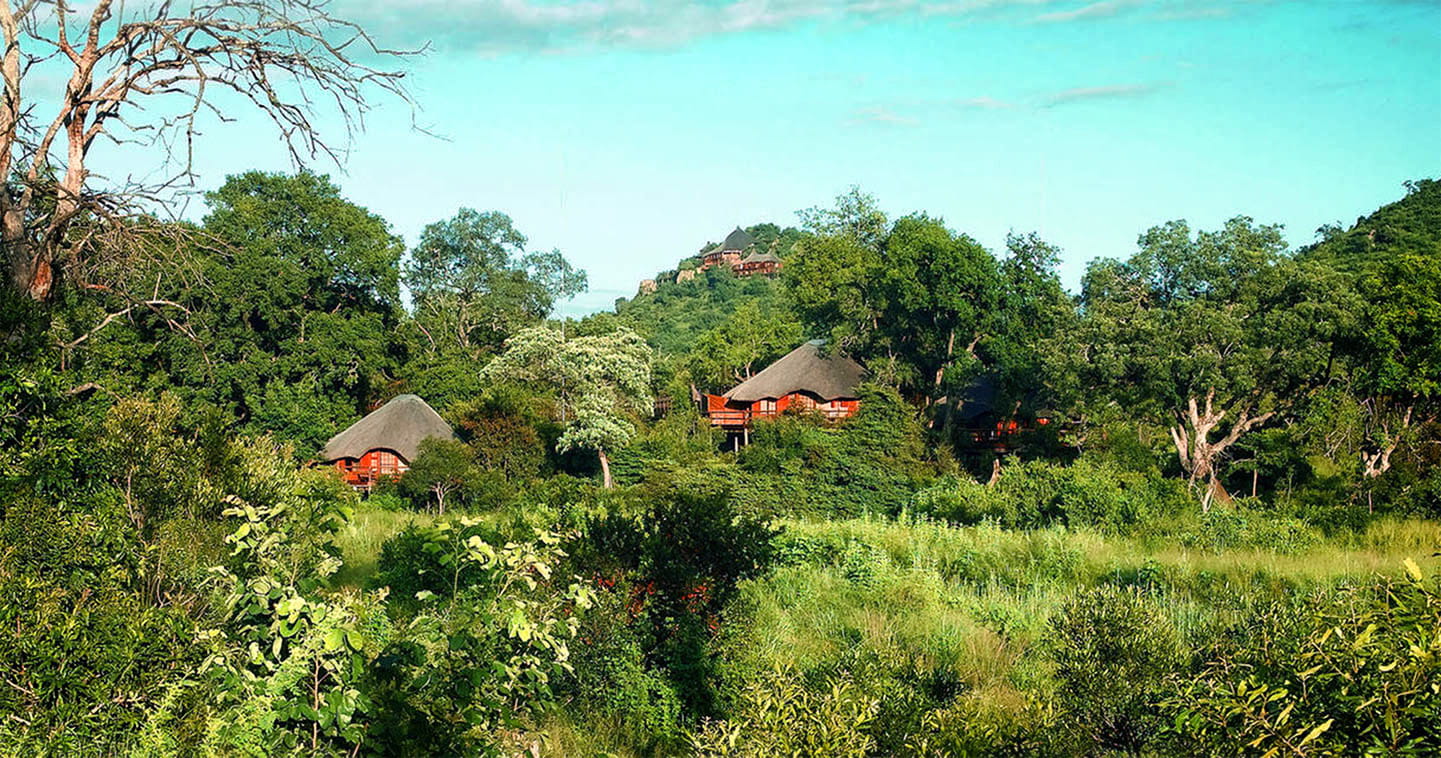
[(729, 251), (983, 423), (803, 380), (383, 443), (757, 263), (738, 252)]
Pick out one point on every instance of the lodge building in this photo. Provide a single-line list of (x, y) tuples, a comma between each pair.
[(805, 379), (383, 443)]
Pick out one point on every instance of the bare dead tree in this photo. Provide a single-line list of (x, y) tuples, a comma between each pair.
[(1197, 452), (150, 74)]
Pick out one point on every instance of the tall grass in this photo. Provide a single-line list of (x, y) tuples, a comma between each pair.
[(361, 539)]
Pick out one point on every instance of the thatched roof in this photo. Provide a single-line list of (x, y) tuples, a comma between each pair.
[(978, 398), (828, 377), (399, 425), (761, 258), (737, 240)]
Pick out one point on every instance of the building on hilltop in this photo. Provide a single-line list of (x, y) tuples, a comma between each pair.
[(803, 380), (729, 251), (383, 443)]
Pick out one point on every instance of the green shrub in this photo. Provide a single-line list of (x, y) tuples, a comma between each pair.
[(995, 721), (611, 678), (779, 714), (1112, 648), (1039, 493), (413, 561), (387, 501), (1243, 527), (1345, 673)]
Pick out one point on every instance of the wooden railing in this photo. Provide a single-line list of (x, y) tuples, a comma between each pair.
[(730, 417), (743, 417)]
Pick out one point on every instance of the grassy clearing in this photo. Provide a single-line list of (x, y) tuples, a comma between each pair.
[(360, 541), (973, 603)]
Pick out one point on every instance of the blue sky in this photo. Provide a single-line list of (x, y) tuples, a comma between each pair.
[(627, 132)]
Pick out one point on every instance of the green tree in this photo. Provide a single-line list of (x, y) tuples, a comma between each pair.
[(1394, 257), (440, 469), (1033, 307), (856, 216), (475, 284), (291, 315), (599, 382), (911, 304), (1209, 335), (939, 289), (748, 340)]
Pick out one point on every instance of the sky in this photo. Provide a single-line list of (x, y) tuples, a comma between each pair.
[(628, 133)]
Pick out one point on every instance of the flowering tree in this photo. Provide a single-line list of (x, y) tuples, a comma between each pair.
[(599, 382)]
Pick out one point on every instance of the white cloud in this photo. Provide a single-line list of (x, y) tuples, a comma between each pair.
[(1107, 92), (879, 115), (498, 26), (987, 103), (1102, 9)]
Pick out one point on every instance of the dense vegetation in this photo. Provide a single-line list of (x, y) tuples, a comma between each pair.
[(1222, 545)]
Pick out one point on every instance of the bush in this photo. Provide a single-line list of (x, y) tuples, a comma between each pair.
[(779, 714), (413, 561), (1346, 673), (872, 463), (1037, 493), (1243, 527), (387, 501), (996, 721), (611, 678), (1112, 648), (685, 554)]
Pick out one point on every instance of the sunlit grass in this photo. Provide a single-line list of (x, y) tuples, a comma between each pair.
[(361, 539), (974, 600)]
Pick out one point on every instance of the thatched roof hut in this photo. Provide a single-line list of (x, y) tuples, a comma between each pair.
[(803, 370), (738, 241), (398, 426)]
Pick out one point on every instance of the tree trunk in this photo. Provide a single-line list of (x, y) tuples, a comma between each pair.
[(1195, 450), (1378, 461), (605, 468), (995, 473)]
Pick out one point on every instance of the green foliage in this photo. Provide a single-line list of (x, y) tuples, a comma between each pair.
[(1037, 493), (467, 666), (420, 558), (502, 427), (288, 670), (871, 463), (599, 381), (1112, 648), (1350, 673), (751, 338), (683, 554), (1242, 526), (474, 283), (778, 714), (675, 317), (612, 678), (85, 660), (441, 468)]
